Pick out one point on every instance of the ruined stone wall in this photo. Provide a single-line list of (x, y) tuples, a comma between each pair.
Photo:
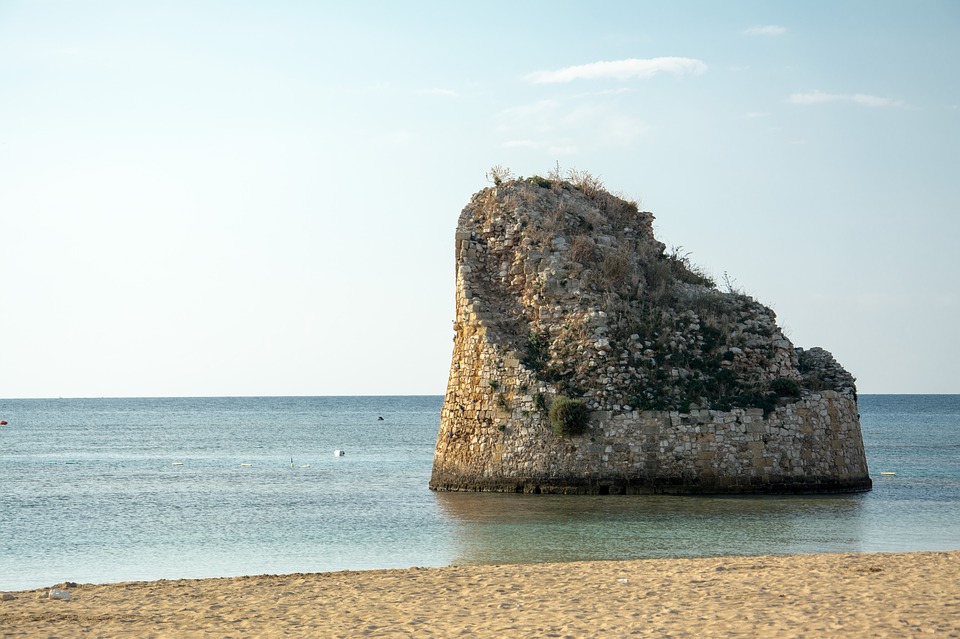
[(810, 446), (566, 293)]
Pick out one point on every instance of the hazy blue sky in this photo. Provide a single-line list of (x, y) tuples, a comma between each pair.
[(259, 198)]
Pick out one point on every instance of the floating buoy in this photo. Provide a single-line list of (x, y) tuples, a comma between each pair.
[(338, 453), (888, 473), (246, 465)]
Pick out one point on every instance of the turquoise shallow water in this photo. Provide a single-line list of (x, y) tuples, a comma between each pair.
[(100, 490)]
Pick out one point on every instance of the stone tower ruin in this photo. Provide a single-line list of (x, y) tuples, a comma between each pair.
[(587, 359)]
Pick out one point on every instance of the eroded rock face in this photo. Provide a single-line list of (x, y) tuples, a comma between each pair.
[(563, 290)]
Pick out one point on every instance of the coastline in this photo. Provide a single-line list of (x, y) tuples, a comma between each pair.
[(837, 595)]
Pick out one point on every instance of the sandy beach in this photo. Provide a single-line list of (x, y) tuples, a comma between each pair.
[(831, 595)]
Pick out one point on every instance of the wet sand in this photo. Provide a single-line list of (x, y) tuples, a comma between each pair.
[(831, 595)]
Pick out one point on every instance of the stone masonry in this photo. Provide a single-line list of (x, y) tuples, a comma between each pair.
[(562, 290)]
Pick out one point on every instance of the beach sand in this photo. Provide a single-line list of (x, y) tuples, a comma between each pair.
[(831, 595)]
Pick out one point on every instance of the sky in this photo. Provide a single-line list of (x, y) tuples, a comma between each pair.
[(225, 198)]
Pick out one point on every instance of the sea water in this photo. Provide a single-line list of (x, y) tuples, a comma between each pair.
[(104, 490)]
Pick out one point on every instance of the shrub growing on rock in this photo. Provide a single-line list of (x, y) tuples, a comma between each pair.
[(568, 417), (784, 387)]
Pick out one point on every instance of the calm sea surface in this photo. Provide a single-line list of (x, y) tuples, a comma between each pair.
[(102, 490)]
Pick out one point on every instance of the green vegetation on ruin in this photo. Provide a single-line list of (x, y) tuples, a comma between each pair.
[(568, 417), (671, 339)]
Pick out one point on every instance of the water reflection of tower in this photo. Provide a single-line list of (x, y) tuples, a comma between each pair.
[(515, 528)]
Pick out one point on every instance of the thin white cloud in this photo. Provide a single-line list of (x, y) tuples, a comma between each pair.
[(614, 129), (633, 68), (569, 149), (401, 137), (569, 124), (533, 109), (764, 30), (450, 93), (820, 97), (874, 101)]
